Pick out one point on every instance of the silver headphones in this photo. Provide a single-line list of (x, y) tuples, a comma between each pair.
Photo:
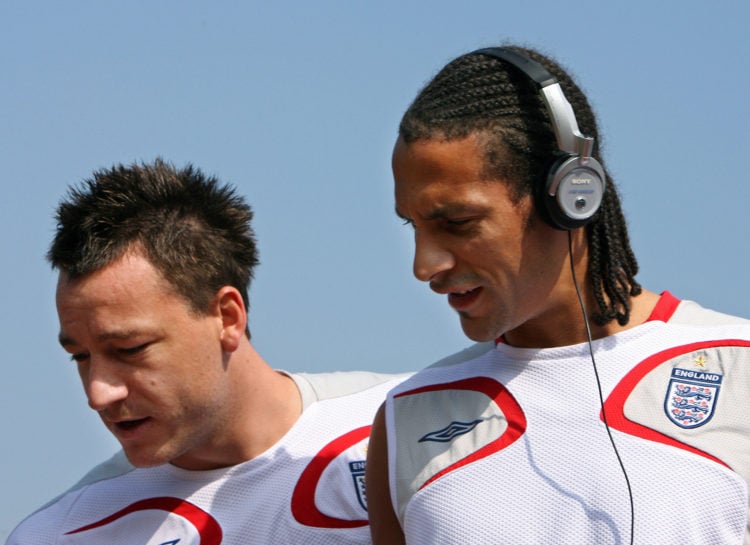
[(575, 184)]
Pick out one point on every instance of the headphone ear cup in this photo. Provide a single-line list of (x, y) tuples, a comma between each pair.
[(573, 192)]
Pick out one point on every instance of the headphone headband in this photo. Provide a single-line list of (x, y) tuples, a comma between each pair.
[(575, 184), (569, 137), (527, 65)]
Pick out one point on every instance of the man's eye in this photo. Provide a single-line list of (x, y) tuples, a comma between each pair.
[(462, 226), (460, 223), (78, 358), (133, 350)]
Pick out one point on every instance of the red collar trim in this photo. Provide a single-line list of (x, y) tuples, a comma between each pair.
[(665, 308), (662, 312)]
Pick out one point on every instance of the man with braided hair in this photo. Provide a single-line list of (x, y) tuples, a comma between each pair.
[(221, 448), (591, 411)]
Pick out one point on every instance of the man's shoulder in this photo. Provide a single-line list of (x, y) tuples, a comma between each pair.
[(115, 466), (41, 526), (321, 386), (447, 368), (691, 313), (472, 352)]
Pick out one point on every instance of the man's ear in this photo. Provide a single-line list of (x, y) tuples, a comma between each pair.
[(233, 314)]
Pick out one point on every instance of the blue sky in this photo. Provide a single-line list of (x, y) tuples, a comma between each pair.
[(297, 104)]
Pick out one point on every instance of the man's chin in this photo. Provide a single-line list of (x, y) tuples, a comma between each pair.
[(477, 330), (144, 459)]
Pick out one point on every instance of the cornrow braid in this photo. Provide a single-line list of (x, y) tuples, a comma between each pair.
[(479, 94), (612, 263)]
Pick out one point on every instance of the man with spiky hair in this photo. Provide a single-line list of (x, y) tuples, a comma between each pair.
[(595, 411), (154, 264)]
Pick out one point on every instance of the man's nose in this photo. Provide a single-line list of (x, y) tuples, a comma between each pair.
[(430, 258), (103, 386)]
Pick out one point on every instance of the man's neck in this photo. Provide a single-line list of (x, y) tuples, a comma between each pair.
[(567, 327), (262, 405)]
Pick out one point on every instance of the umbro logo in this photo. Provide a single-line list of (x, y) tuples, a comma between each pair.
[(451, 431)]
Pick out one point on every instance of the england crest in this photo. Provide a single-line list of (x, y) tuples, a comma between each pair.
[(358, 474), (691, 397)]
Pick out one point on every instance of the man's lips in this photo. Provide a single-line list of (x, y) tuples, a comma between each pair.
[(126, 427), (462, 300), (129, 424)]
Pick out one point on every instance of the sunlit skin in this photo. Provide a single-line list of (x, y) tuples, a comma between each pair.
[(171, 384)]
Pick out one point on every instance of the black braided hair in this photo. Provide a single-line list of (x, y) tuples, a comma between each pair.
[(482, 95)]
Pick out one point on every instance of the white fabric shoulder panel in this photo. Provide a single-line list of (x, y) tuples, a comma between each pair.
[(691, 313), (319, 386)]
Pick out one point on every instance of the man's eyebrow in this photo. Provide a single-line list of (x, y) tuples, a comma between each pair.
[(443, 212), (106, 336)]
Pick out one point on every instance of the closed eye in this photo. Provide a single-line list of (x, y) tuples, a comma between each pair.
[(404, 219), (132, 351), (78, 358), (460, 224)]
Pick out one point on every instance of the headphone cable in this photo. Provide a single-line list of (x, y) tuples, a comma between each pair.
[(599, 387)]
